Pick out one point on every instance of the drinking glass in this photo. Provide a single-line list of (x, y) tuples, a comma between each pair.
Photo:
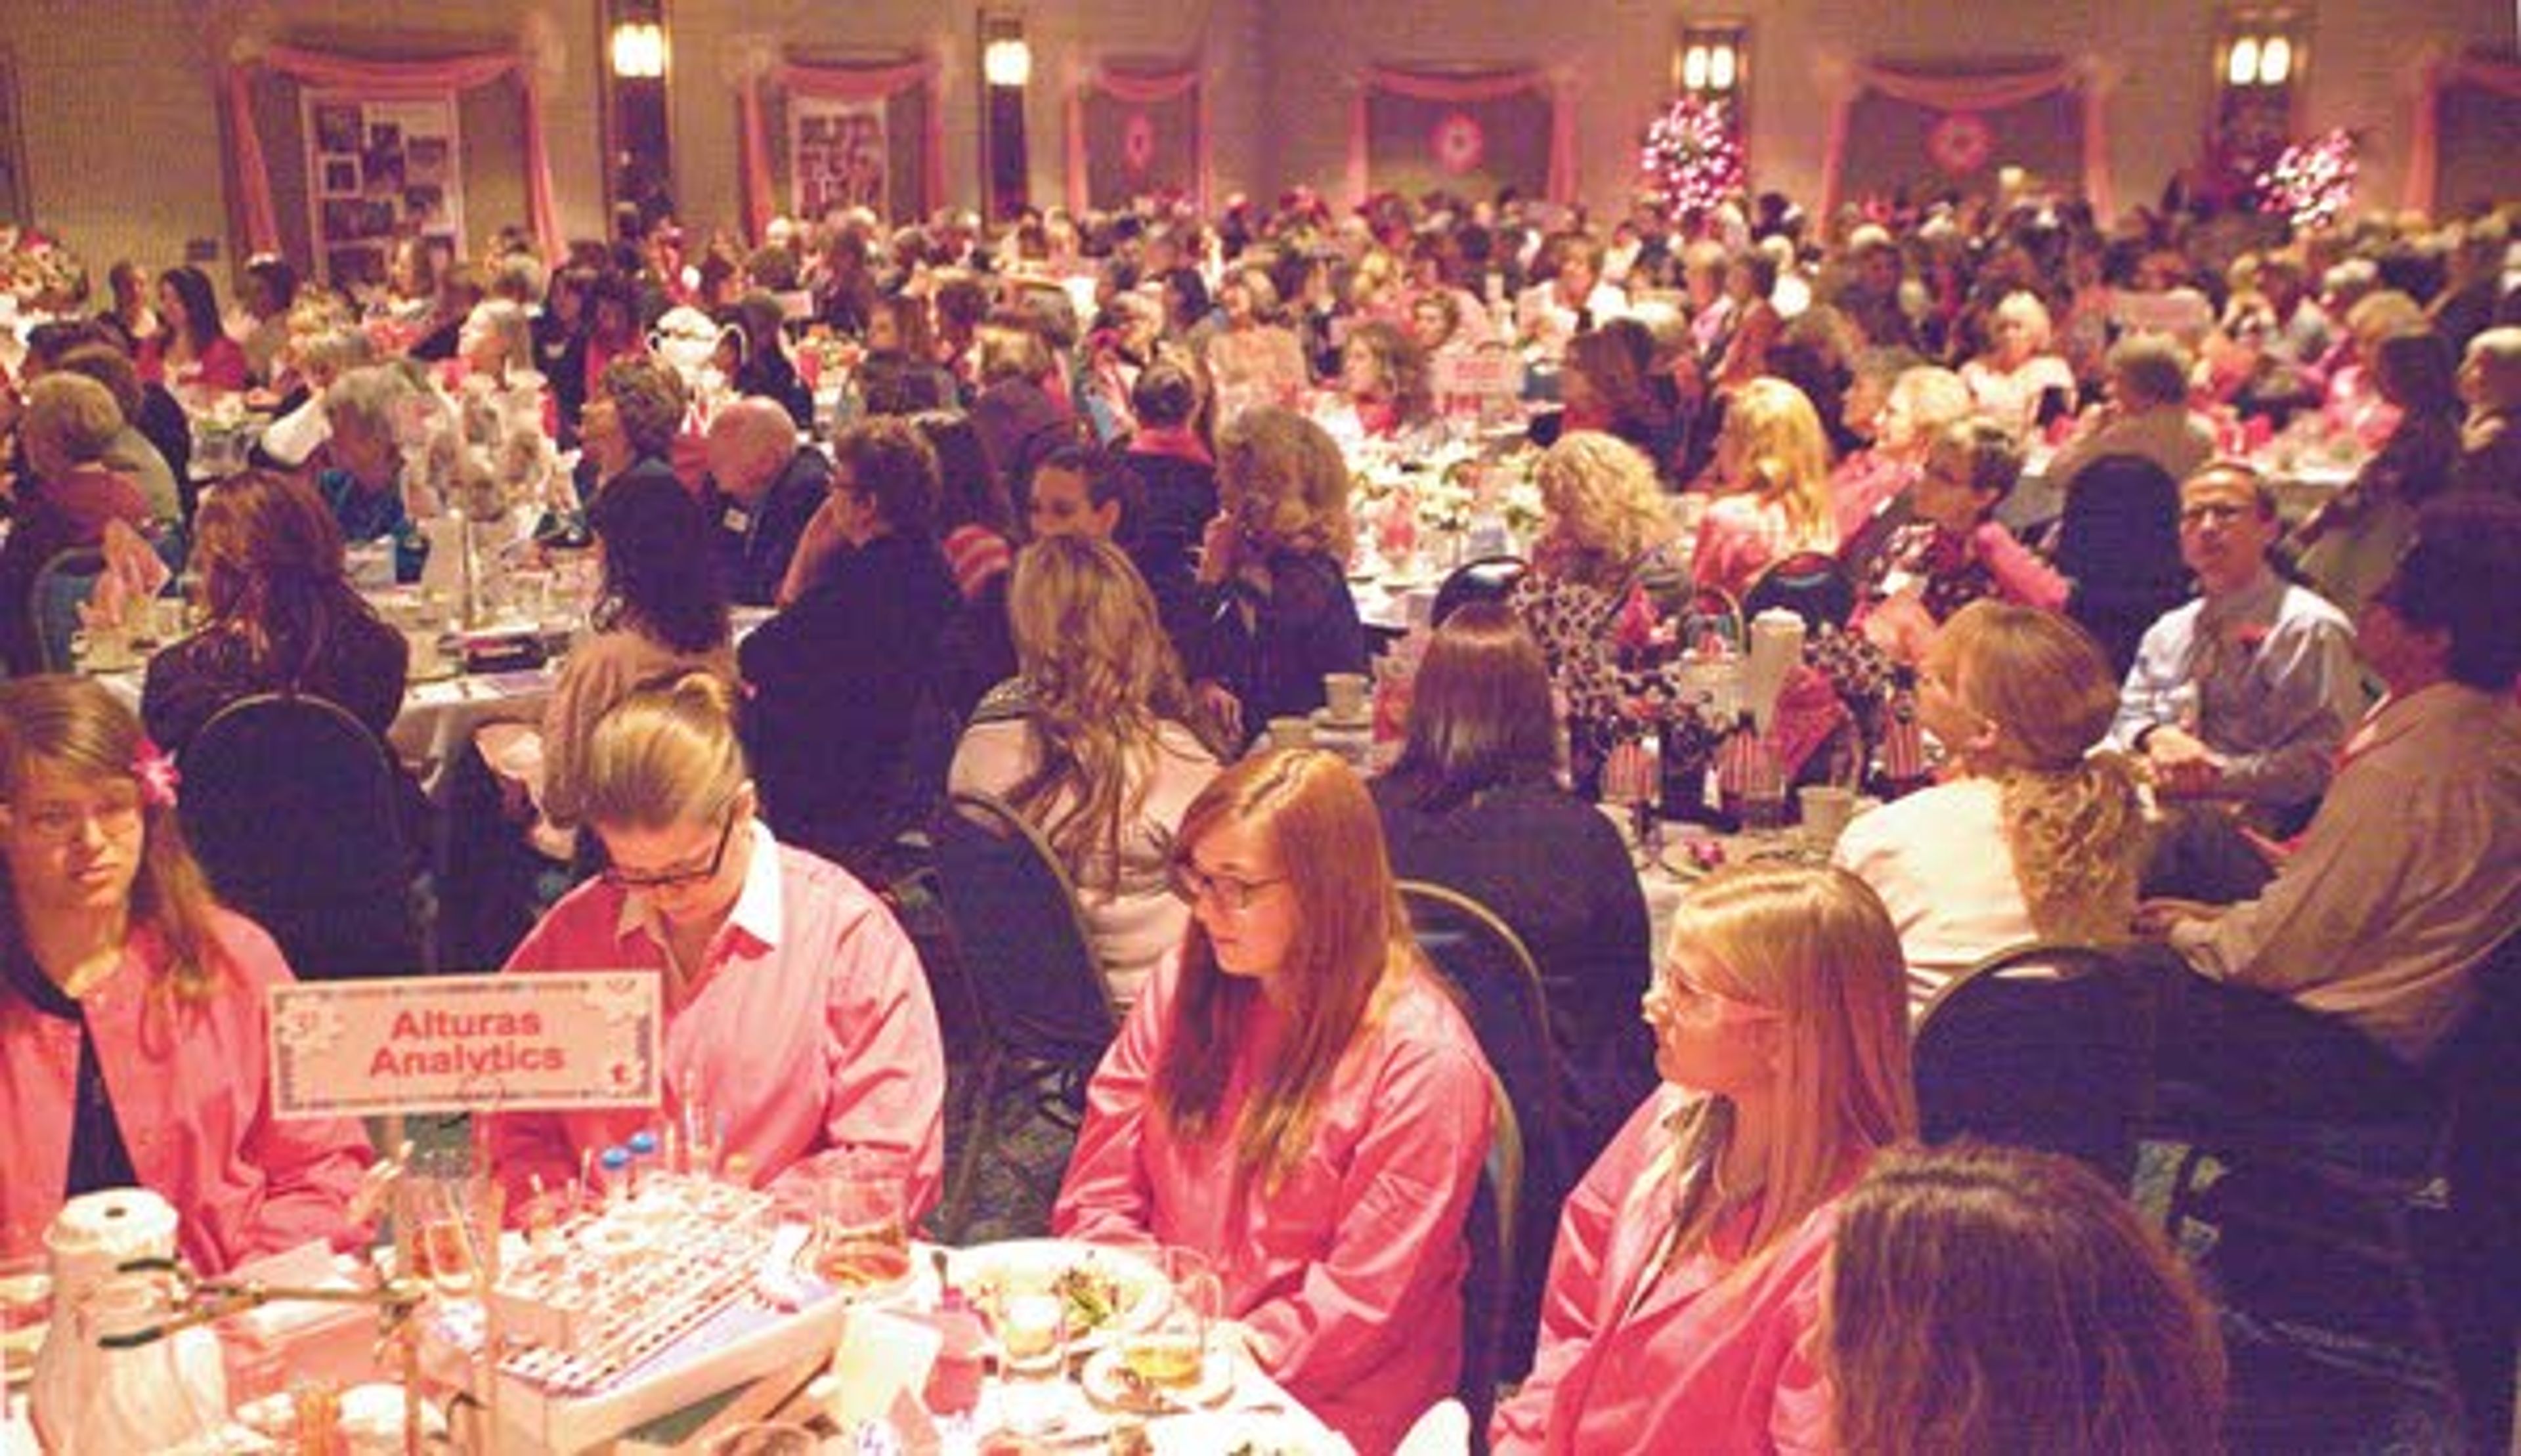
[(1030, 1320), (25, 1310), (861, 1223), (1169, 1351)]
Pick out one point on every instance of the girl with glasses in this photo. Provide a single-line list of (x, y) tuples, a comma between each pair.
[(1681, 1302), (1295, 1097), (798, 1021), (134, 1047)]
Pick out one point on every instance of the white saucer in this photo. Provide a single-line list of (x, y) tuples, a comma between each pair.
[(1105, 1387), (1322, 719)]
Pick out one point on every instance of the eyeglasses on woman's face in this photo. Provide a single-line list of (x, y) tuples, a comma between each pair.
[(677, 877), (1231, 893)]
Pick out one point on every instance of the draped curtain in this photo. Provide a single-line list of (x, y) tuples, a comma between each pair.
[(2424, 132), (1137, 89), (1972, 93), (382, 81), (836, 83), (1416, 85)]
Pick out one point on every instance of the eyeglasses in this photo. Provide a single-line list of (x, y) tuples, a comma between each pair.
[(62, 823), (1672, 996), (677, 879), (1234, 895)]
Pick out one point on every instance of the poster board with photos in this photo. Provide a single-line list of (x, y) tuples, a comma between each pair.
[(839, 155), (379, 172)]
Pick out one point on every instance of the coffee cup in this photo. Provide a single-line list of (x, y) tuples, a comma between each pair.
[(1827, 809), (1291, 733), (1346, 694)]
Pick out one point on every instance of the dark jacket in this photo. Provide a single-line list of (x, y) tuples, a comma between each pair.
[(1553, 868), (1270, 644), (755, 544), (844, 699), (360, 668)]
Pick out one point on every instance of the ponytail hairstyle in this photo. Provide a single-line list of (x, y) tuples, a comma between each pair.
[(666, 754), (73, 726), (2071, 816), (1351, 940)]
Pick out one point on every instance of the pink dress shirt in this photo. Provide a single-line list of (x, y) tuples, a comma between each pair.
[(1742, 533), (190, 1081), (1690, 1361), (1349, 1274), (807, 1027)]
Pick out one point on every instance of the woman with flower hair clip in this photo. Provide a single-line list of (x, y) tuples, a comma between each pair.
[(133, 1042), (1684, 1297)]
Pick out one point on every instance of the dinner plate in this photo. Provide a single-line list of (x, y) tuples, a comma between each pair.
[(1136, 1288), (1107, 1383), (446, 668), (1261, 1432)]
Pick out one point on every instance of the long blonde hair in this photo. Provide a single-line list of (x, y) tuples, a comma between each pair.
[(1605, 507), (1352, 940), (1781, 456), (1814, 946), (1104, 680), (2071, 816)]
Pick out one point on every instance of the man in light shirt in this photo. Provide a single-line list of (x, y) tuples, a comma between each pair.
[(2324, 995)]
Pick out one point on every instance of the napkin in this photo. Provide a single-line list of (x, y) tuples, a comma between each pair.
[(883, 1360)]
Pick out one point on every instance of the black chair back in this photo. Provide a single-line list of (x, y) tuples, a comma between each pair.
[(1023, 941), (1495, 1231), (1811, 585), (1500, 987), (1487, 579), (2118, 540), (63, 584), (295, 812), (2046, 1046)]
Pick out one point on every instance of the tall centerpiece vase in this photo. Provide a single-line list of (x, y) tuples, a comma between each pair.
[(106, 1382)]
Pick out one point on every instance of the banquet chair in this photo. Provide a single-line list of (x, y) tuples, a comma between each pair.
[(1811, 585), (1487, 579), (1044, 1010), (1502, 993), (295, 812), (2045, 1045), (2118, 541), (1494, 1230), (63, 586), (2430, 1198)]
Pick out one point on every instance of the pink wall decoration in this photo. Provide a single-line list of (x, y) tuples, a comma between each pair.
[(1464, 90), (1961, 143), (384, 80), (1459, 143), (2424, 129), (1843, 82), (1139, 89), (836, 83)]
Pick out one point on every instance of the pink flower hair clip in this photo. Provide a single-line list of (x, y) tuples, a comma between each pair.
[(156, 774)]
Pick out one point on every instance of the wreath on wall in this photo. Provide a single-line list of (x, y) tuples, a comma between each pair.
[(1961, 143), (1138, 142), (1459, 143)]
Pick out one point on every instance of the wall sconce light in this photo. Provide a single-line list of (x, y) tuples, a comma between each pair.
[(2258, 50), (1712, 59), (639, 49), (1007, 62)]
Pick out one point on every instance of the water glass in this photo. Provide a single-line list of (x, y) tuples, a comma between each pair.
[(1169, 1351), (25, 1311), (861, 1219)]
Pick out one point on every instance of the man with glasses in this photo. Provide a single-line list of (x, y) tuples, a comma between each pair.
[(2238, 700)]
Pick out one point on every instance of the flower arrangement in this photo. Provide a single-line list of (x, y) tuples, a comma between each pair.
[(40, 273), (1691, 163), (2310, 182)]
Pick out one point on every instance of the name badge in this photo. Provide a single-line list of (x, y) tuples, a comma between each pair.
[(735, 518)]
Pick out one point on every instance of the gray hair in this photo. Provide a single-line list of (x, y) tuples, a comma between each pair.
[(2153, 367), (366, 398)]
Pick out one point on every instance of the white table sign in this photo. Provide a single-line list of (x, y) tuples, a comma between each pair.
[(454, 1043)]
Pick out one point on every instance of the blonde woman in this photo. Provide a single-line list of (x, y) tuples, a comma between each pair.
[(1092, 743), (1773, 463), (1683, 1302), (1296, 1097), (797, 1022), (1606, 531), (2039, 837), (1275, 568), (2020, 365)]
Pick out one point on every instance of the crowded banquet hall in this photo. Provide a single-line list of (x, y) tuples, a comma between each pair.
[(1259, 729)]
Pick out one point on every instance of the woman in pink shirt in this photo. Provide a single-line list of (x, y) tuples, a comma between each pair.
[(1773, 463), (797, 1022), (1683, 1295), (1295, 1096), (133, 1044)]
